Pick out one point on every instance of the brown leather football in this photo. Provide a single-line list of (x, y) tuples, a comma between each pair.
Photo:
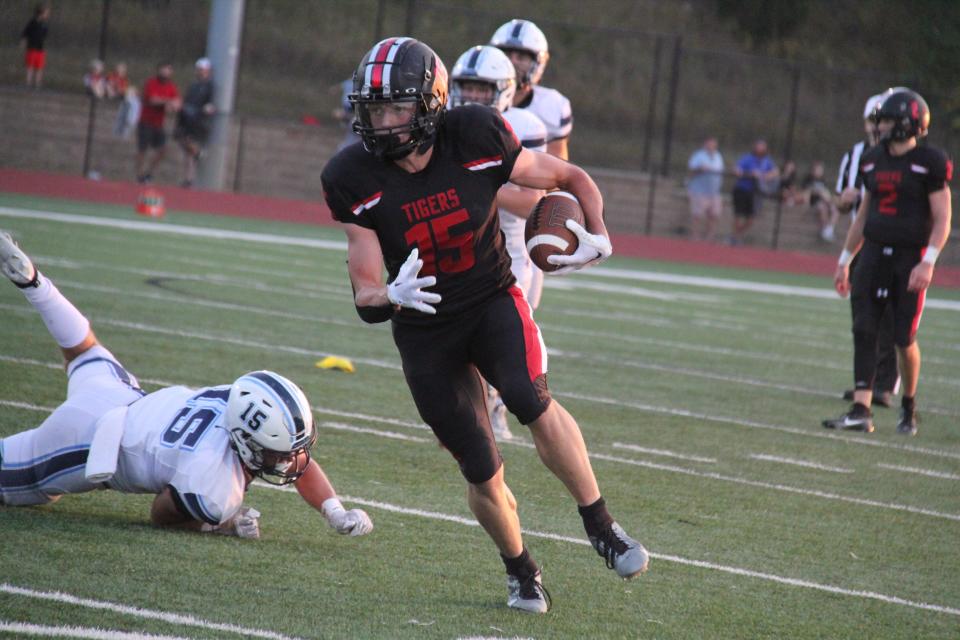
[(546, 233)]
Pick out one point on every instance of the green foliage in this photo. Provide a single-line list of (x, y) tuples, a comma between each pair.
[(763, 21)]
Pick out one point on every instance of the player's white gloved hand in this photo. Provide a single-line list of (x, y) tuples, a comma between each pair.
[(593, 248), (246, 524), (354, 522), (406, 289)]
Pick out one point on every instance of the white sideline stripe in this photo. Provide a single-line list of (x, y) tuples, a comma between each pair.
[(794, 582), (178, 229), (172, 618), (628, 274), (662, 452), (815, 493), (798, 463), (683, 413), (26, 405), (79, 632), (924, 472), (339, 426)]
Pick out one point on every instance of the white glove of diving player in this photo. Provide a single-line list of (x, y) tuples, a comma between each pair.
[(354, 522), (593, 249), (246, 524), (406, 289)]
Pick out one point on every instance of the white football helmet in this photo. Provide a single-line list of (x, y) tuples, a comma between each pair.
[(523, 35), (271, 426), (488, 65)]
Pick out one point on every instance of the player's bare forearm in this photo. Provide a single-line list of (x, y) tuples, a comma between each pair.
[(855, 233), (941, 210), (519, 201), (543, 171), (164, 513), (365, 266), (314, 487)]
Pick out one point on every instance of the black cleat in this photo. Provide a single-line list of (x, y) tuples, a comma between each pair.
[(852, 420), (908, 423)]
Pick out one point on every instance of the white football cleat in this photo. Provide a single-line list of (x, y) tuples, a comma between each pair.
[(622, 553), (527, 595), (15, 264)]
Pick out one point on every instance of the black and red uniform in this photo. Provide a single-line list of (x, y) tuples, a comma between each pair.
[(896, 233), (448, 211)]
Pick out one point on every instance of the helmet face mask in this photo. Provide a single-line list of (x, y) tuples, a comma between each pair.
[(526, 37), (907, 113), (270, 426), (483, 70), (399, 70)]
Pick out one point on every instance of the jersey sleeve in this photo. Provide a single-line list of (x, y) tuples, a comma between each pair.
[(490, 142), (344, 206), (940, 170), (210, 490)]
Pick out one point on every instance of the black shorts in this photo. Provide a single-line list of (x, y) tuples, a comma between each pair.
[(194, 129), (150, 137), (443, 363), (744, 203), (881, 279)]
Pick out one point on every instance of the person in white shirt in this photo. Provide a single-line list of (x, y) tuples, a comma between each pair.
[(196, 450), (703, 188)]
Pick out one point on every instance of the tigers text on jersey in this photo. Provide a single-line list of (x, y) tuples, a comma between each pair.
[(176, 437), (899, 187), (553, 108), (447, 210)]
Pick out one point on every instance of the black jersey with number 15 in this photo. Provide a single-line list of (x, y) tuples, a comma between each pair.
[(448, 210), (899, 188)]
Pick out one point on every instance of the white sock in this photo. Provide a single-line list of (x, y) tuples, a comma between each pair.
[(66, 324)]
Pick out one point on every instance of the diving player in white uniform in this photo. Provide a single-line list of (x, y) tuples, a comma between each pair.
[(484, 75), (197, 450), (526, 46)]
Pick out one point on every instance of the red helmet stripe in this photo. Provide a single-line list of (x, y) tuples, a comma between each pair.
[(376, 78)]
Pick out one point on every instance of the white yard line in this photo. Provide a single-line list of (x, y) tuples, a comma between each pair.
[(340, 426), (94, 633), (137, 612), (793, 582), (798, 463), (923, 472), (662, 452)]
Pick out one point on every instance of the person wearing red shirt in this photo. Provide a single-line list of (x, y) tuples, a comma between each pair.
[(160, 95)]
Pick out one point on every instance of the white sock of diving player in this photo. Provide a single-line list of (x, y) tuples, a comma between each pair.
[(66, 324)]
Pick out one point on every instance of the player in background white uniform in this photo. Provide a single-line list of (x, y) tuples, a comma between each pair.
[(197, 450), (484, 75), (526, 46)]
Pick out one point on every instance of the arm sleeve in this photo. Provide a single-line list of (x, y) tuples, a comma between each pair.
[(210, 487), (342, 205), (490, 138), (941, 172)]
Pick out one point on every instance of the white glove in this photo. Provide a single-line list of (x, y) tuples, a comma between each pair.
[(246, 524), (592, 249), (405, 290), (354, 522)]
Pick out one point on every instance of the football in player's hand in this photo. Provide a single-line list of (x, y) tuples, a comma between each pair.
[(546, 233)]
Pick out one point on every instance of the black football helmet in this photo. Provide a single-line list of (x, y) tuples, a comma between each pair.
[(399, 70), (909, 112)]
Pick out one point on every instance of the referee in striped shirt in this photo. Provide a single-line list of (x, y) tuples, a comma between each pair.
[(849, 186)]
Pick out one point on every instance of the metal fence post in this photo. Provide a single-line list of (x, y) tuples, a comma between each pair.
[(671, 105), (652, 105), (92, 118), (787, 149)]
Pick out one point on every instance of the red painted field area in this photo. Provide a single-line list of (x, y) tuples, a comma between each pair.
[(285, 210)]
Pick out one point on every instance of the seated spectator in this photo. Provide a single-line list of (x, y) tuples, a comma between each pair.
[(789, 189), (118, 82), (819, 198), (94, 81)]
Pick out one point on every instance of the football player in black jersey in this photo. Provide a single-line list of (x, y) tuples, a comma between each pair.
[(417, 196), (901, 226)]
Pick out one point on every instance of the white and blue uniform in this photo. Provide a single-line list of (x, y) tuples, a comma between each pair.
[(553, 108), (172, 437), (532, 134)]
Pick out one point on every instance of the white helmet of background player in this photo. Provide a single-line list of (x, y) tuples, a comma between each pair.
[(271, 426), (523, 35), (490, 66)]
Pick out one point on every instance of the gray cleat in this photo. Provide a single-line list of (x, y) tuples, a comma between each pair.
[(527, 595), (622, 553), (15, 264)]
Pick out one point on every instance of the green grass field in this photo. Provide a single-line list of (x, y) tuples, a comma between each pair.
[(701, 405)]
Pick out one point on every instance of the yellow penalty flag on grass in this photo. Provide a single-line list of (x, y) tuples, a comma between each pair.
[(336, 362)]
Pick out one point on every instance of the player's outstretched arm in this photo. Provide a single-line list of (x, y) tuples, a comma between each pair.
[(519, 201), (164, 512), (315, 488), (841, 275)]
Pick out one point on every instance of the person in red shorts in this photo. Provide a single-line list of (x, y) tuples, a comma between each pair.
[(160, 95), (32, 37)]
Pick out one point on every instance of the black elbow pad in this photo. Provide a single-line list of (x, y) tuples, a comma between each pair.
[(374, 315)]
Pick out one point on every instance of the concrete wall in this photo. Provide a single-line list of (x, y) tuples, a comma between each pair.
[(47, 131)]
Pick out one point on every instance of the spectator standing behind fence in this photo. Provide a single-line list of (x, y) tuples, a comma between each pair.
[(32, 38), (193, 120), (819, 198), (754, 170), (160, 95), (128, 114), (94, 80), (118, 82), (703, 187)]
